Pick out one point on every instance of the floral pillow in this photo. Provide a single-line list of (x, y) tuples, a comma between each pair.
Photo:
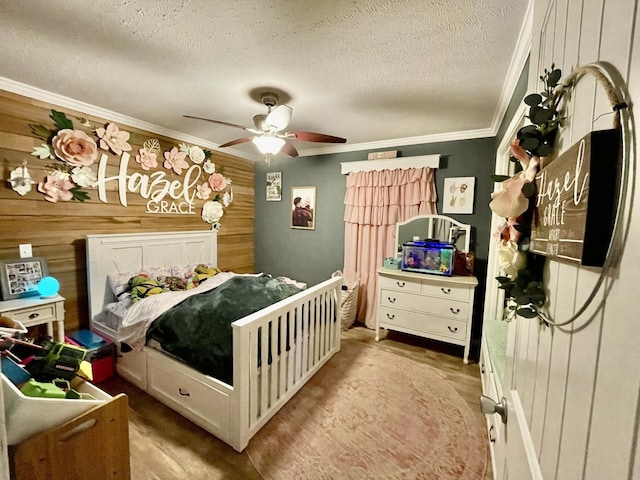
[(119, 282), (174, 277)]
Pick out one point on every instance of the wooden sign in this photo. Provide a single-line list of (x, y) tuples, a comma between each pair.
[(576, 201)]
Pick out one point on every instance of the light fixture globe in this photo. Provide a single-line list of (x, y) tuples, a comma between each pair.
[(268, 145), (48, 287)]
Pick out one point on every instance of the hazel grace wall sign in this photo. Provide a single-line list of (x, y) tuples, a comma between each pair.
[(576, 201)]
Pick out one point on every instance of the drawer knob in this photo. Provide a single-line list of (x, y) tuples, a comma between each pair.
[(391, 300), (184, 393), (390, 316), (452, 330), (34, 315), (446, 291), (455, 311), (401, 284)]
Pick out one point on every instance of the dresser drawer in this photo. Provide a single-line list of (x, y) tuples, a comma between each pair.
[(34, 315), (413, 286), (197, 401), (446, 291), (422, 304), (420, 322)]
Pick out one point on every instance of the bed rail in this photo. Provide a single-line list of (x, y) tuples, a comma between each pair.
[(276, 350)]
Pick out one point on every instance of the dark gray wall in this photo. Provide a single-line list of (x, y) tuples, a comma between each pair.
[(312, 256)]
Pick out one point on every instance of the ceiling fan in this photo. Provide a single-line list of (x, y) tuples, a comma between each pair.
[(269, 135)]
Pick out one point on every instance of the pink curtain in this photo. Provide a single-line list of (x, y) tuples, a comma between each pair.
[(375, 201)]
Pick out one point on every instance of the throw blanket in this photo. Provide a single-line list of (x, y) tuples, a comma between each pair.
[(198, 330)]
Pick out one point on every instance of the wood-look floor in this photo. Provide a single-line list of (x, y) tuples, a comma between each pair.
[(165, 446)]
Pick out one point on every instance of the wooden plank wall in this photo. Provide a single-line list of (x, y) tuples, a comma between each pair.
[(57, 230), (580, 384)]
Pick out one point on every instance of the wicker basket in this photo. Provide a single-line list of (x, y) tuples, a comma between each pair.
[(348, 301)]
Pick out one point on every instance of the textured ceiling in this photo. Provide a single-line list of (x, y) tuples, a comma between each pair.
[(371, 71)]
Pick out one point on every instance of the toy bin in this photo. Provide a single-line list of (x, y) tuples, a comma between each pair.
[(101, 353), (27, 416)]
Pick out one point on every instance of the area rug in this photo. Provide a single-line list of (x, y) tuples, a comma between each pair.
[(372, 414)]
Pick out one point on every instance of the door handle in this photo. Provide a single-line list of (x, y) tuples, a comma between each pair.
[(488, 406)]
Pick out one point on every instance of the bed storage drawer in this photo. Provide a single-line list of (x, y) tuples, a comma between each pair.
[(132, 366), (188, 392)]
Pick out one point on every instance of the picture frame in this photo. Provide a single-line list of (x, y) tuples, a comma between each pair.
[(19, 277), (274, 187), (458, 195), (303, 208)]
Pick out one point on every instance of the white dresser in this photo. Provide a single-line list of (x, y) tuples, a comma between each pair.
[(430, 306)]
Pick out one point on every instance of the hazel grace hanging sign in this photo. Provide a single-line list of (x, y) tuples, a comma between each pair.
[(576, 201)]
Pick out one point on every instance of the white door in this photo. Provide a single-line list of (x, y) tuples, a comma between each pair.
[(512, 451)]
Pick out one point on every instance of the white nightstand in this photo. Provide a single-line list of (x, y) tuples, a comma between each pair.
[(32, 311)]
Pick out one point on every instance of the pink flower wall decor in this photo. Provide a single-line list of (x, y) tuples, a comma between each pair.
[(113, 138), (203, 191), (175, 160), (147, 159), (56, 188), (74, 147), (217, 182)]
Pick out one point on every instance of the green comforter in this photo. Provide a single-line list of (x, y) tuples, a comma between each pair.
[(198, 330)]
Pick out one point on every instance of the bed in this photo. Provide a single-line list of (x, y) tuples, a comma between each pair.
[(263, 379)]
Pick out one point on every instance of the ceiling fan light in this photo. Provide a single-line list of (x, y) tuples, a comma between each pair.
[(268, 145)]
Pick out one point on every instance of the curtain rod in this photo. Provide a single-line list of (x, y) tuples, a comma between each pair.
[(419, 161)]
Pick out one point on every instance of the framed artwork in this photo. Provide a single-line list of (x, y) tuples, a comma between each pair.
[(458, 195), (274, 186), (19, 277), (303, 208)]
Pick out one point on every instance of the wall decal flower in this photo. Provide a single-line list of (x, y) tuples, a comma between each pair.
[(217, 182), (56, 187), (196, 154), (203, 191), (83, 177), (175, 160), (74, 147), (147, 160), (212, 212), (114, 139), (209, 167), (20, 179)]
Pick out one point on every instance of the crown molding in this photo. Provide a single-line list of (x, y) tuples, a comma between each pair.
[(66, 102), (398, 142), (518, 61)]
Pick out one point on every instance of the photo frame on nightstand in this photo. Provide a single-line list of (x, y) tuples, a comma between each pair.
[(19, 277)]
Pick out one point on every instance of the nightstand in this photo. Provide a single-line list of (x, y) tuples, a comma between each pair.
[(32, 311)]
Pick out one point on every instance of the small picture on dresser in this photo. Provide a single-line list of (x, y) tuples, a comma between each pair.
[(19, 277)]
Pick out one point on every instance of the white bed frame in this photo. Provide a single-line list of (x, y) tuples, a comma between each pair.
[(232, 413)]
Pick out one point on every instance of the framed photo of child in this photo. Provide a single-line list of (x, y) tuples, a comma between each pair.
[(303, 208)]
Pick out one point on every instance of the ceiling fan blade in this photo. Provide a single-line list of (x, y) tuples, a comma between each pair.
[(317, 137), (289, 150), (236, 142), (217, 121), (280, 117)]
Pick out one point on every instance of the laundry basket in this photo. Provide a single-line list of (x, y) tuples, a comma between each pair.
[(348, 301)]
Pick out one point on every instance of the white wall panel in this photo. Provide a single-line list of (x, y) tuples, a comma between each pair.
[(580, 384), (610, 447)]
